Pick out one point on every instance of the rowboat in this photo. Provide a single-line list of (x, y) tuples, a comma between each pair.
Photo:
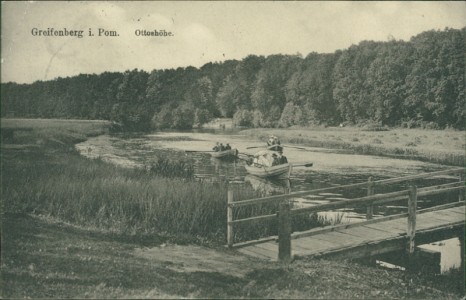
[(225, 153), (282, 171)]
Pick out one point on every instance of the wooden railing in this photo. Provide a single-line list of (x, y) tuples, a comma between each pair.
[(285, 213)]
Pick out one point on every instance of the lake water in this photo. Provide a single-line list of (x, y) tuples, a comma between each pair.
[(330, 168)]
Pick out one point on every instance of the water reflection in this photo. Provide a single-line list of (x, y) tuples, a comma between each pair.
[(268, 187)]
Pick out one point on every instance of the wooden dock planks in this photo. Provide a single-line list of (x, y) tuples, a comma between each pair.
[(360, 236)]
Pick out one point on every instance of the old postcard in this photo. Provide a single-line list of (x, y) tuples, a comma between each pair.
[(233, 149)]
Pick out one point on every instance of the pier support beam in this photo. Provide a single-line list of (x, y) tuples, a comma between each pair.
[(411, 231), (461, 238), (284, 232), (461, 191), (229, 219), (370, 192), (421, 260)]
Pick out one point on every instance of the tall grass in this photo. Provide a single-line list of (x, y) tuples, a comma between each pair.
[(134, 201), (168, 168), (98, 194)]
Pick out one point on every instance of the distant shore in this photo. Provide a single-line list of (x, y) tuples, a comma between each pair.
[(219, 123), (436, 146)]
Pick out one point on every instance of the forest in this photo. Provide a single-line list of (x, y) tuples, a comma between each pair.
[(415, 83)]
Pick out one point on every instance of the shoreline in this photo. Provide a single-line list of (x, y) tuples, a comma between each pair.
[(435, 146)]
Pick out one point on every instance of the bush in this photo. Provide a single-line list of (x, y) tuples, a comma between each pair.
[(243, 118), (373, 126)]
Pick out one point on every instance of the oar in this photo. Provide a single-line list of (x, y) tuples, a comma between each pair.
[(247, 160), (245, 154), (307, 165), (297, 165), (300, 148), (199, 151)]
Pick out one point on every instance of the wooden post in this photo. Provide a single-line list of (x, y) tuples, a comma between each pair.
[(370, 191), (288, 186), (461, 191), (229, 219), (370, 261), (462, 253), (284, 232), (412, 205)]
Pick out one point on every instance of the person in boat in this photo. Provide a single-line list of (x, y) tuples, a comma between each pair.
[(222, 147), (279, 159), (228, 147), (282, 158), (273, 143), (273, 140), (216, 147), (276, 159), (263, 158), (259, 159)]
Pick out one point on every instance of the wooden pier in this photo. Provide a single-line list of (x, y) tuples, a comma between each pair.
[(370, 238), (367, 239)]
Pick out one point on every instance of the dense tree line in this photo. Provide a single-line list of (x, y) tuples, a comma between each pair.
[(394, 83)]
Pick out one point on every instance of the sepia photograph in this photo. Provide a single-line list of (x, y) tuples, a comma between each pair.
[(233, 149)]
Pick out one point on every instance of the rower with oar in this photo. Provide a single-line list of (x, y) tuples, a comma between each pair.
[(269, 158), (266, 171), (220, 147), (268, 164), (273, 143), (220, 151)]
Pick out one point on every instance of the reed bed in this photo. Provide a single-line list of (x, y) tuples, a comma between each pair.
[(133, 201), (94, 193), (168, 168)]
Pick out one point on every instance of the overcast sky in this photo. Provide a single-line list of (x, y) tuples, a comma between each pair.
[(202, 32)]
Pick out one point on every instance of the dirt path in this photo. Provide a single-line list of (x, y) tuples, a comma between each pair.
[(190, 258), (42, 258)]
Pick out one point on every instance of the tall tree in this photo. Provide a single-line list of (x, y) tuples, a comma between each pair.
[(350, 91), (386, 82), (311, 89), (268, 94), (236, 92)]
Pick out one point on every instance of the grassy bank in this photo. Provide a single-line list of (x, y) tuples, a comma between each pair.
[(437, 146), (46, 176)]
